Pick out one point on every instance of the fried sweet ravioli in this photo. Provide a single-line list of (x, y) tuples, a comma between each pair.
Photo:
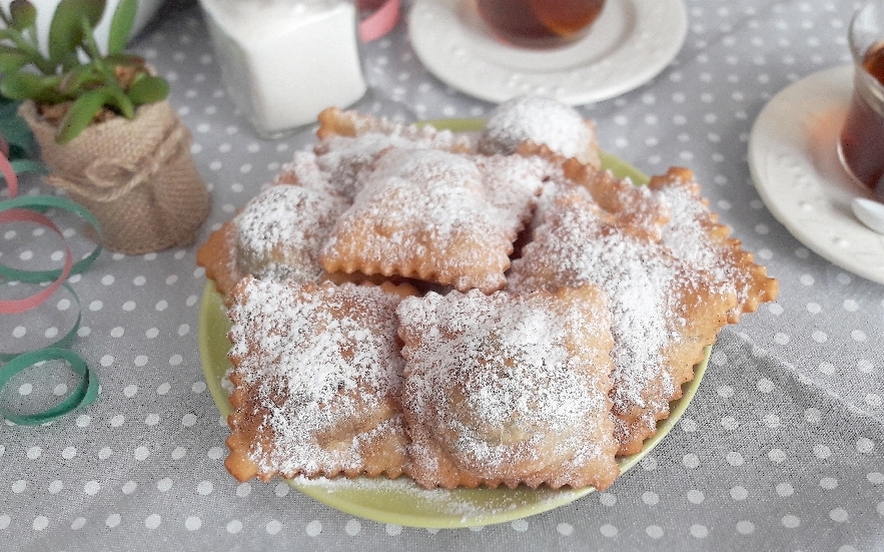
[(467, 309), (317, 376), (509, 389)]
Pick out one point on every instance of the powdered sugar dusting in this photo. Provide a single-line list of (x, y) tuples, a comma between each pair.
[(498, 380), (541, 120), (304, 170), (344, 158), (280, 231), (456, 217), (688, 238), (511, 387), (575, 247), (316, 358)]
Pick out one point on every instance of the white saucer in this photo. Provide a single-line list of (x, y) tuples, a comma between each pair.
[(630, 43), (794, 162)]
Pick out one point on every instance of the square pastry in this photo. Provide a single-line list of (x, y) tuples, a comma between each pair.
[(695, 235), (664, 311), (279, 232), (509, 389), (349, 143), (317, 375), (437, 216)]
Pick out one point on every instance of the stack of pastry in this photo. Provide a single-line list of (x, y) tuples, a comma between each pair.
[(490, 309)]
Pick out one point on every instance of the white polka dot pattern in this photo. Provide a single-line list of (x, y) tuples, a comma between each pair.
[(783, 445)]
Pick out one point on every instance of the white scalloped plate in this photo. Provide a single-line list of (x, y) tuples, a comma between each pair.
[(793, 159), (630, 43)]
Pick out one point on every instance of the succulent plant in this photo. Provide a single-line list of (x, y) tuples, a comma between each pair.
[(74, 75)]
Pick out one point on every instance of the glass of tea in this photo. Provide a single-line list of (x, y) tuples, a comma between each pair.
[(861, 146), (539, 23)]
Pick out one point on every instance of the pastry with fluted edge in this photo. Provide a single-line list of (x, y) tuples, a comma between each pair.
[(317, 376), (436, 216), (664, 312), (508, 389)]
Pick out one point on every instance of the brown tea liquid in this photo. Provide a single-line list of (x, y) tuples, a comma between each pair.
[(539, 23), (862, 139)]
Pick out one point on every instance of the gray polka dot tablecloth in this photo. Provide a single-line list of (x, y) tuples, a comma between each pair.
[(781, 449)]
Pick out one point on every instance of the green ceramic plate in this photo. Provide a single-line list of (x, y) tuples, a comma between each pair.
[(401, 501)]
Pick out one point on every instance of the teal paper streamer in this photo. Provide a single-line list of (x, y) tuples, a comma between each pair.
[(85, 393)]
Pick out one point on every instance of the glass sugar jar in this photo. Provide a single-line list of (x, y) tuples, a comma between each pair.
[(284, 61)]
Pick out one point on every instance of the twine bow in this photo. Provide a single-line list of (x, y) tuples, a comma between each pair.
[(106, 179)]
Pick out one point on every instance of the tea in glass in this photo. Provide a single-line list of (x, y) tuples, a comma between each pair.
[(861, 146), (539, 23)]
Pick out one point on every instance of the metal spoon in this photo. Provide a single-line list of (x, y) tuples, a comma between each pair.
[(869, 212)]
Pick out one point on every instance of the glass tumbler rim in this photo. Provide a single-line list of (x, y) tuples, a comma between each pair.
[(871, 13)]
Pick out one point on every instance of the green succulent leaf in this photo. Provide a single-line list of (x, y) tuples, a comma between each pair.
[(22, 86), (66, 31), (27, 46), (148, 89), (81, 114), (13, 36), (122, 58), (23, 15), (89, 45), (121, 25), (80, 78), (121, 102), (12, 59)]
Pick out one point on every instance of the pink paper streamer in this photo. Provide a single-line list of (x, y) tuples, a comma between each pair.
[(17, 306), (381, 21)]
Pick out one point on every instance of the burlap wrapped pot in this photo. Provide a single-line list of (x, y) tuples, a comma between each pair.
[(137, 177)]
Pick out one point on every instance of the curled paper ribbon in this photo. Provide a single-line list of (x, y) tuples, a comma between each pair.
[(20, 209), (85, 393), (29, 209), (64, 340), (8, 171), (381, 22)]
